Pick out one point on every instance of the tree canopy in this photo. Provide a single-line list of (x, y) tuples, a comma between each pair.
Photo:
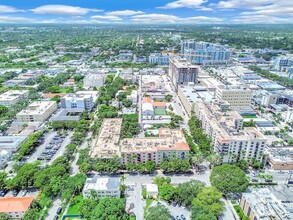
[(229, 179)]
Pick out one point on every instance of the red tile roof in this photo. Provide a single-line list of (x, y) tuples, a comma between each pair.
[(159, 104), (12, 204), (177, 146)]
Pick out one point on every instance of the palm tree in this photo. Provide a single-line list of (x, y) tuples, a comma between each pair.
[(214, 159), (197, 159), (123, 178)]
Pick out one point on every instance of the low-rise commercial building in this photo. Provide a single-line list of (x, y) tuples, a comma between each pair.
[(13, 96), (15, 208), (11, 143), (82, 100), (94, 80), (152, 190), (102, 186), (261, 204), (235, 96), (160, 59), (280, 159), (5, 157), (37, 111)]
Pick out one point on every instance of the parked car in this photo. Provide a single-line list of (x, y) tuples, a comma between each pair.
[(183, 217), (59, 210), (3, 192), (24, 193), (14, 193)]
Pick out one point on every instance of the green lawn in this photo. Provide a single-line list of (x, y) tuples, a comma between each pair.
[(147, 205), (249, 116), (159, 112), (75, 205)]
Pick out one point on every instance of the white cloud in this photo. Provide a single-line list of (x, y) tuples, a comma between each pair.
[(8, 9), (259, 11), (62, 10), (15, 19), (165, 18), (106, 17), (184, 4), (124, 13), (261, 19)]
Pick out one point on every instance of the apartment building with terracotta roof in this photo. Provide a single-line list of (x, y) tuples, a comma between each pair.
[(169, 143), (15, 207)]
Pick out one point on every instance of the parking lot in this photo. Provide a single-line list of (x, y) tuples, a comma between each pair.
[(51, 146), (18, 194), (177, 212)]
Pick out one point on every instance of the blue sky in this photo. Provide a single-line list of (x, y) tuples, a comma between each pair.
[(147, 11)]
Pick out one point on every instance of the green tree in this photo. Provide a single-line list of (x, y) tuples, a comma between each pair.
[(87, 207), (4, 216), (127, 103), (24, 178), (109, 209), (167, 192), (201, 212), (3, 177), (210, 198), (169, 98), (150, 166), (3, 110), (229, 179), (158, 212), (187, 191), (197, 159), (242, 164)]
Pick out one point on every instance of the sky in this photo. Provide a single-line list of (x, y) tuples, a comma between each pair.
[(147, 11)]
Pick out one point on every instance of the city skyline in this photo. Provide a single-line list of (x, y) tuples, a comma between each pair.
[(147, 11)]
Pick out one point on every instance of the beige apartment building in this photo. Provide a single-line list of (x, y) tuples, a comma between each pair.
[(13, 96), (171, 142), (225, 127), (37, 111), (236, 96), (107, 143)]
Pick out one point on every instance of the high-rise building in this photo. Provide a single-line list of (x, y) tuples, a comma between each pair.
[(182, 72), (203, 53)]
